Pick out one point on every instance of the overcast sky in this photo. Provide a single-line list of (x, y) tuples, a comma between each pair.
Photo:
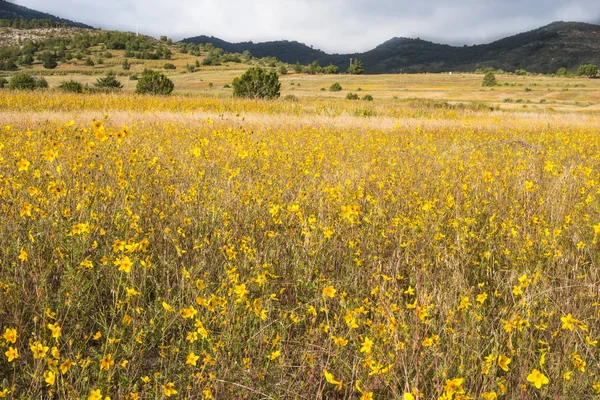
[(335, 26)]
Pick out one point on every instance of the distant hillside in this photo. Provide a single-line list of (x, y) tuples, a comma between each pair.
[(12, 11), (543, 50)]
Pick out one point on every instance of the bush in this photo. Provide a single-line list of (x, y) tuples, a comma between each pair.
[(282, 70), (89, 62), (133, 77), (100, 61), (49, 60), (108, 82), (331, 69), (256, 83), (351, 96), (589, 70), (336, 87), (291, 98), (153, 82), (521, 72), (41, 83), (22, 81), (70, 86), (126, 66), (3, 82), (368, 97), (562, 72), (169, 66), (489, 79)]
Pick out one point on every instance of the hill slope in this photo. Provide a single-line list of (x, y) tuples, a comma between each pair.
[(543, 50), (11, 11)]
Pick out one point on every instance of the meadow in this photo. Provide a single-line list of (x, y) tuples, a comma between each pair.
[(436, 243)]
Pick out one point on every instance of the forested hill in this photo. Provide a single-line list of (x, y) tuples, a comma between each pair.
[(543, 50), (11, 11)]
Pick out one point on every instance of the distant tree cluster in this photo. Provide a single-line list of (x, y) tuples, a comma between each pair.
[(20, 23), (315, 68)]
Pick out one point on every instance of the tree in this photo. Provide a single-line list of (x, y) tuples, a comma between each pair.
[(108, 82), (126, 65), (256, 83), (489, 79), (356, 68), (331, 69), (153, 82), (282, 70), (22, 81), (589, 70), (297, 67), (562, 72), (3, 83), (49, 60)]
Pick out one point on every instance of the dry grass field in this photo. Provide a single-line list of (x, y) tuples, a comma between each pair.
[(439, 242)]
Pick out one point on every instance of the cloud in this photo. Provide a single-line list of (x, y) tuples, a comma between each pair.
[(332, 25)]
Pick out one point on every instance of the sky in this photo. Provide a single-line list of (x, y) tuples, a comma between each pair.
[(335, 26)]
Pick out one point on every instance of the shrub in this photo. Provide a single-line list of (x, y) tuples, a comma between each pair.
[(133, 77), (126, 65), (290, 98), (3, 82), (89, 62), (356, 68), (41, 83), (368, 97), (336, 87), (70, 86), (489, 79), (589, 70), (282, 70), (351, 96), (331, 69), (521, 72), (562, 72), (100, 61), (22, 81), (169, 66), (256, 83), (154, 83), (108, 82)]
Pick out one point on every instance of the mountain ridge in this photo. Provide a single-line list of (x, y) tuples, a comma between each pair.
[(12, 11), (543, 50)]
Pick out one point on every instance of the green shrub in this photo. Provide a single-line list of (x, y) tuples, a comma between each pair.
[(489, 79), (336, 87), (126, 65), (256, 83), (290, 98), (133, 77), (351, 96), (89, 62), (589, 70), (153, 82), (41, 83), (108, 82), (169, 66), (282, 70), (562, 72), (70, 86), (49, 60), (368, 97), (3, 82), (22, 81)]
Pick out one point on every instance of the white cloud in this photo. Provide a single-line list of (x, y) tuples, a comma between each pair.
[(332, 25)]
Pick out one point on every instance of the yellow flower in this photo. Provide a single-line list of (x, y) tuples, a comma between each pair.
[(366, 346), (10, 335), (23, 256), (339, 341), (107, 362), (124, 264), (38, 350), (331, 379), (167, 307), (169, 389), (408, 396), (192, 359), (329, 291), (12, 354), (568, 322), (503, 362), (537, 379), (274, 355), (454, 386), (49, 377), (367, 396), (489, 395), (95, 395), (56, 331), (64, 367), (23, 165), (188, 313)]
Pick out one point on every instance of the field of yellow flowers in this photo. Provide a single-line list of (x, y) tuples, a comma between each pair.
[(227, 249)]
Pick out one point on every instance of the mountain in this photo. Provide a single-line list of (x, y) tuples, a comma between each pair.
[(543, 50), (12, 11)]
